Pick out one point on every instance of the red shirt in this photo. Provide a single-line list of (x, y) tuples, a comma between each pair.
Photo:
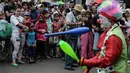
[(27, 22), (56, 26), (39, 27)]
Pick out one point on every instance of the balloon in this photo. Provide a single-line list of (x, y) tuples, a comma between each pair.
[(76, 31), (68, 50)]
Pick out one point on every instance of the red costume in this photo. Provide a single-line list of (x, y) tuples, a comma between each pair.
[(113, 55)]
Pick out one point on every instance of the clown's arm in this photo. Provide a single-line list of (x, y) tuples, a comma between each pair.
[(113, 51)]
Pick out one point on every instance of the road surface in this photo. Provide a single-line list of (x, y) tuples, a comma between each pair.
[(49, 66)]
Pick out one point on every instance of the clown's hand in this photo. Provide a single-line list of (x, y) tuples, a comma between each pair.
[(80, 62)]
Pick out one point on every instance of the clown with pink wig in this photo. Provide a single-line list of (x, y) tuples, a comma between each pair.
[(112, 57)]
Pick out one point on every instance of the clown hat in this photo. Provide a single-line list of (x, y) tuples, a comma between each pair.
[(110, 9)]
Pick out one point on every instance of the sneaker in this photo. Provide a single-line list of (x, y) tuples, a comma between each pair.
[(21, 62), (54, 56), (14, 65), (63, 59), (128, 61), (49, 57), (70, 69), (30, 62), (23, 57), (43, 60)]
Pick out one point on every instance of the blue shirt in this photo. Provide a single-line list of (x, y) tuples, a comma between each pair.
[(49, 24), (31, 37), (34, 14)]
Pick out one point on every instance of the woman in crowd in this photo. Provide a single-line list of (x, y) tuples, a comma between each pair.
[(22, 34), (15, 38), (87, 38), (41, 29)]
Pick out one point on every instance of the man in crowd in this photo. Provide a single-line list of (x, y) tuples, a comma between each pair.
[(72, 22)]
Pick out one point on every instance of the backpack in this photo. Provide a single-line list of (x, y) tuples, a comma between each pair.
[(5, 28)]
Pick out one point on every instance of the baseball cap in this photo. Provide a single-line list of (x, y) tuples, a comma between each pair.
[(27, 14)]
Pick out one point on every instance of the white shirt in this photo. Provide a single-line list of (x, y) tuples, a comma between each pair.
[(70, 17), (21, 19), (127, 23), (14, 21), (2, 6)]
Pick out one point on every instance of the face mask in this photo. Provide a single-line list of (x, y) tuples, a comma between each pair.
[(46, 9), (41, 21)]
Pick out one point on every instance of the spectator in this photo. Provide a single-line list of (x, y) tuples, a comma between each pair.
[(41, 29), (127, 17), (72, 22), (33, 13), (127, 22), (15, 36), (94, 10), (31, 44), (8, 10), (97, 31), (72, 4), (25, 6), (22, 34), (49, 39), (27, 19), (56, 26), (2, 4), (87, 38), (40, 8)]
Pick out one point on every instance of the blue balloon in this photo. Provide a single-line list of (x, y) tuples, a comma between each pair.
[(76, 31)]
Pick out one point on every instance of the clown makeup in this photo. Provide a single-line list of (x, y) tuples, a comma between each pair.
[(105, 23)]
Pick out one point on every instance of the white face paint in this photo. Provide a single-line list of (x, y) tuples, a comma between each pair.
[(105, 23)]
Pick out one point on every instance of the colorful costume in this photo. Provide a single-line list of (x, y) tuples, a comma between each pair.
[(113, 55)]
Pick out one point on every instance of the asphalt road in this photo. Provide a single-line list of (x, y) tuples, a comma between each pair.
[(49, 66)]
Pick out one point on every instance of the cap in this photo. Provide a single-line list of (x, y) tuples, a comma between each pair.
[(27, 14)]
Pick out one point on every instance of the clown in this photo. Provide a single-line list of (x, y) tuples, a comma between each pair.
[(113, 55)]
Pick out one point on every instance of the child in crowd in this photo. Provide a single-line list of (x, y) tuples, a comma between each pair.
[(41, 29), (27, 19), (55, 26), (31, 43)]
